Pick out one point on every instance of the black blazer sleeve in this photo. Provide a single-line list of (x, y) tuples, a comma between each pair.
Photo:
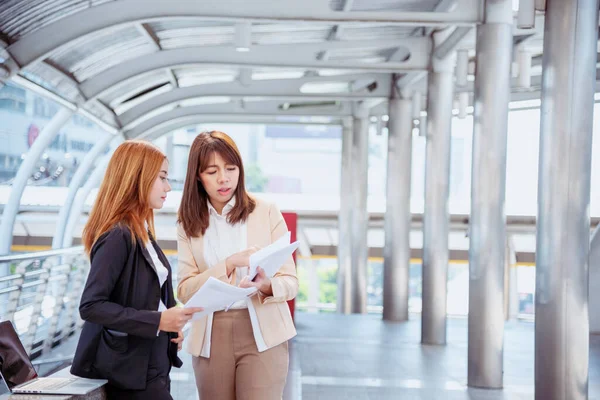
[(109, 256)]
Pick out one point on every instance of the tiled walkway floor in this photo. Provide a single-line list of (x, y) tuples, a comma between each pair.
[(360, 357)]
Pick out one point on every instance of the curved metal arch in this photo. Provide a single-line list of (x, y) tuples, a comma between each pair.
[(172, 125), (83, 193), (268, 109), (594, 292), (302, 55), (39, 44), (20, 182), (76, 181), (284, 89)]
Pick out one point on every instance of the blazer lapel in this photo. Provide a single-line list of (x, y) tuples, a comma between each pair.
[(256, 235), (147, 256), (252, 239), (197, 245), (169, 300), (161, 256)]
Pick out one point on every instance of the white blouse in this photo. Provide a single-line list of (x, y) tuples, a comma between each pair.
[(161, 271), (221, 240)]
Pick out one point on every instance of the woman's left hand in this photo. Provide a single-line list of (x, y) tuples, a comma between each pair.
[(261, 281), (179, 340)]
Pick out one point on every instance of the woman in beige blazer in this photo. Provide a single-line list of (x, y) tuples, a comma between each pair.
[(240, 353)]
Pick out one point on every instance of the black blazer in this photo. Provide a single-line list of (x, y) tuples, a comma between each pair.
[(119, 306)]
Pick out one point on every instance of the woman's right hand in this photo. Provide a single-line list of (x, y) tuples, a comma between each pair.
[(174, 319), (240, 259)]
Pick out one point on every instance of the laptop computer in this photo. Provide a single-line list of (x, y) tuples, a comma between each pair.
[(17, 374)]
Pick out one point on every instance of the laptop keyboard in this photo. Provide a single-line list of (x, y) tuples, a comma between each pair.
[(48, 384)]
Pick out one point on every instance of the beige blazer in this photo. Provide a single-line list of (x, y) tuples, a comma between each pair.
[(264, 226)]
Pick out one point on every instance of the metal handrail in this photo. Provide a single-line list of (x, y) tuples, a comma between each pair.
[(41, 254), (37, 276), (8, 278), (10, 289)]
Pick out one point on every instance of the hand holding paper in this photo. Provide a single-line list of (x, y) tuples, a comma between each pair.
[(216, 295), (272, 257), (261, 282)]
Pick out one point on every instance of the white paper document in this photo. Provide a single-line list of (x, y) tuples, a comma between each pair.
[(216, 295), (272, 257)]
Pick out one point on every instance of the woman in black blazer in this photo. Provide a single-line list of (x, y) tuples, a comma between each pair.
[(132, 328)]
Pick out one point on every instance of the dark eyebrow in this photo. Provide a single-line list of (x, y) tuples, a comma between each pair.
[(216, 166), (164, 172)]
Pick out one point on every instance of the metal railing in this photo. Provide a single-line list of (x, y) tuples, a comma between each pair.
[(40, 293), (318, 287)]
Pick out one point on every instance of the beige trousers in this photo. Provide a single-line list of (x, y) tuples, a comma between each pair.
[(235, 369)]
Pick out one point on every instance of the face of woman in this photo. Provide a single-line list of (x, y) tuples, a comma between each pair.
[(158, 193), (220, 180)]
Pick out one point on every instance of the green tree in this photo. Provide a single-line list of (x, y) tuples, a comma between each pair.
[(327, 284), (302, 296), (255, 179)]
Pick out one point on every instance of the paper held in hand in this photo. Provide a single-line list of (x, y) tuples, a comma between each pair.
[(216, 295), (272, 257)]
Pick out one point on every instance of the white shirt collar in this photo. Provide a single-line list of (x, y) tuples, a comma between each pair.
[(228, 207)]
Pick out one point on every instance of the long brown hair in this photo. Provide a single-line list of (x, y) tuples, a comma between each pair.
[(123, 194), (193, 212)]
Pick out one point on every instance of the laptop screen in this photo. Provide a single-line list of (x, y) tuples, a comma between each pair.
[(4, 389), (15, 365)]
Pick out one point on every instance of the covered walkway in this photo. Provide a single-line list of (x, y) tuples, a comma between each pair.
[(404, 107)]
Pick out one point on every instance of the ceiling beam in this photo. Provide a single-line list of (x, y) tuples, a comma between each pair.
[(457, 38), (67, 76), (442, 6), (463, 37), (188, 116), (259, 108), (172, 78), (284, 89), (452, 42), (151, 38), (242, 103), (110, 113), (172, 125), (42, 91), (112, 128), (71, 79), (245, 76), (296, 56), (336, 31), (40, 43), (149, 34)]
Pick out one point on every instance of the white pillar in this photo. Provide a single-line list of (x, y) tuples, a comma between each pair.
[(74, 185), (487, 229), (344, 276), (33, 155), (396, 252), (93, 181), (436, 217), (360, 217), (563, 225)]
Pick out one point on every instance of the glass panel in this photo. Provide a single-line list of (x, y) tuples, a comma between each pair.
[(277, 158), (526, 290), (67, 151), (23, 115), (458, 285)]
